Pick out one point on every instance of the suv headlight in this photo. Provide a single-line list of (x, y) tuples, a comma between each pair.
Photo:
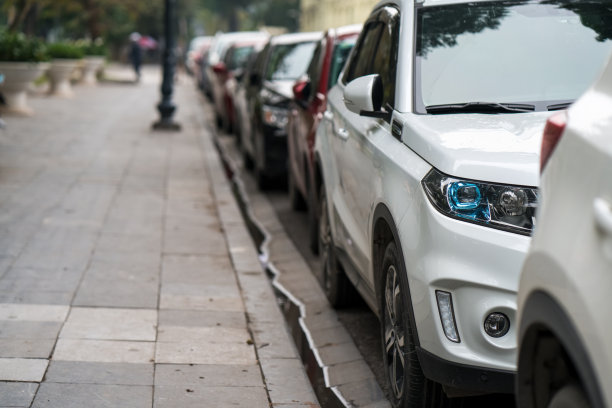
[(508, 208), (276, 117)]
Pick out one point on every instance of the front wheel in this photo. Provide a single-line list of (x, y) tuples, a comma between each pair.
[(409, 387), (337, 287)]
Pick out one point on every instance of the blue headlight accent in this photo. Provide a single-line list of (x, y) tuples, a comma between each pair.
[(463, 196)]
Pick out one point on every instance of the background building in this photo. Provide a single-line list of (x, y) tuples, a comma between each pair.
[(322, 14)]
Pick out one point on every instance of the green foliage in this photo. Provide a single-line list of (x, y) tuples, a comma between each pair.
[(19, 48), (65, 50), (93, 48)]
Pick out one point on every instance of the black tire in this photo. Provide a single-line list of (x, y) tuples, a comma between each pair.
[(338, 289), (570, 396), (313, 221), (408, 385), (296, 199), (218, 121), (262, 179), (249, 164)]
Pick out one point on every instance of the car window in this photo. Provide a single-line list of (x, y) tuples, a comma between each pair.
[(341, 51), (238, 56), (531, 52), (361, 62), (385, 58), (314, 69), (289, 61)]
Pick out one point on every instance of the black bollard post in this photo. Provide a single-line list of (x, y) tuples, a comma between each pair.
[(166, 107)]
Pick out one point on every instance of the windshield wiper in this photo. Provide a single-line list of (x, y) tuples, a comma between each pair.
[(559, 106), (480, 107)]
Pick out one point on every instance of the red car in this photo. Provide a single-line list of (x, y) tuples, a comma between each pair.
[(309, 103)]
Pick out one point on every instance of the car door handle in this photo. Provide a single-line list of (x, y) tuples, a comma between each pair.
[(603, 215), (342, 133), (328, 115)]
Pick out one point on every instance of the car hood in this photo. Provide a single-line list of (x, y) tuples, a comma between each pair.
[(499, 148), (277, 92)]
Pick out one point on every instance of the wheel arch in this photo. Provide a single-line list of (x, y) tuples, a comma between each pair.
[(544, 318), (384, 230)]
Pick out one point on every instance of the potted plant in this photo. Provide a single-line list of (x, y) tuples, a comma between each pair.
[(95, 55), (65, 58), (22, 60)]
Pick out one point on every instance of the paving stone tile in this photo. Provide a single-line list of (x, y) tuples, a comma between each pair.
[(22, 369), (197, 269), (17, 394), (30, 279), (194, 240), (171, 334), (185, 352), (115, 242), (26, 348), (57, 248), (110, 324), (364, 393), (12, 329), (340, 353), (210, 303), (104, 351), (345, 373), (330, 336), (211, 375), (51, 395), (218, 397), (273, 340), (286, 389), (203, 318), (43, 297), (33, 313), (99, 373)]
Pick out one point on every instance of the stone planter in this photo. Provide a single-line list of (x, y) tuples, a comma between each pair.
[(91, 65), (59, 76), (17, 77)]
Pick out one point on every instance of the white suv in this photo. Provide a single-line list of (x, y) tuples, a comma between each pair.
[(565, 357), (427, 170)]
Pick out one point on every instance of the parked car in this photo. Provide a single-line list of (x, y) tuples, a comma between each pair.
[(283, 60), (565, 357), (216, 52), (197, 46), (309, 102), (244, 86), (217, 70), (427, 169), (229, 71)]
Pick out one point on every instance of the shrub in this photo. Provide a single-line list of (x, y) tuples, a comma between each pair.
[(94, 48), (65, 50), (16, 47)]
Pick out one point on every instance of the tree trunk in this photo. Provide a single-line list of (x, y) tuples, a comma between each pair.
[(22, 8)]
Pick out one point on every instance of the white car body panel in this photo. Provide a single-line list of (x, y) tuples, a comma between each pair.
[(571, 256)]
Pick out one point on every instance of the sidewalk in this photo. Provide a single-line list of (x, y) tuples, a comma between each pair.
[(127, 276)]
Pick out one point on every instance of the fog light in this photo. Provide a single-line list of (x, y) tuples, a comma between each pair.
[(447, 315), (497, 325)]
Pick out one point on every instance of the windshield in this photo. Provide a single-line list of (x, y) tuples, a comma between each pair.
[(536, 52), (289, 61)]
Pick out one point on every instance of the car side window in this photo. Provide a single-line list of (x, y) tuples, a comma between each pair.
[(361, 63), (385, 59), (314, 69)]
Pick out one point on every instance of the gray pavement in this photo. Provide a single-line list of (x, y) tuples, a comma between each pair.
[(127, 275)]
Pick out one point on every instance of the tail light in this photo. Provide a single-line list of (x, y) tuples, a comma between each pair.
[(552, 134)]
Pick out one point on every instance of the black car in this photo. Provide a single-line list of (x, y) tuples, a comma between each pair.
[(284, 59)]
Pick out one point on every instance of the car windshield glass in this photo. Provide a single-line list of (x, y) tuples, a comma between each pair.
[(239, 57), (289, 61), (339, 56), (535, 52)]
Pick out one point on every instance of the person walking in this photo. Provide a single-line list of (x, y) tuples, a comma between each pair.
[(135, 54)]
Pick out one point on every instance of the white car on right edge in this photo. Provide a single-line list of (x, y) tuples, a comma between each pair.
[(565, 357)]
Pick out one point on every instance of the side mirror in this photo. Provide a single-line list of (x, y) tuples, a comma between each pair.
[(220, 68), (301, 89), (364, 94)]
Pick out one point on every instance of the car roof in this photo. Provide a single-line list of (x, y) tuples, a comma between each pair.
[(425, 3), (296, 38)]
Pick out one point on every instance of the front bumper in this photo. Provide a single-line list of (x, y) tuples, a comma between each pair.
[(480, 268)]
